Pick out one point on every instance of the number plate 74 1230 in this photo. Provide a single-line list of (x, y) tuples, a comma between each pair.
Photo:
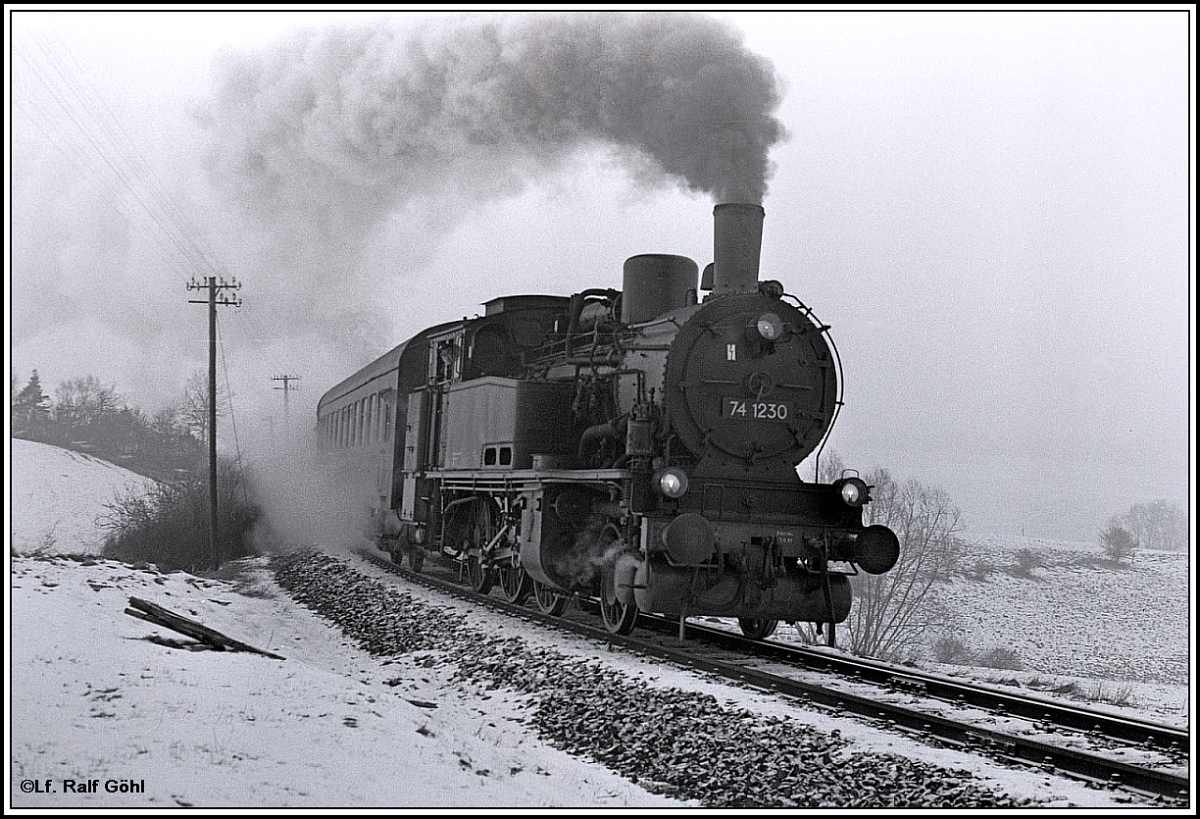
[(750, 410)]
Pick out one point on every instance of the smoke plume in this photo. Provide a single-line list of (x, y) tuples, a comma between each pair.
[(357, 121)]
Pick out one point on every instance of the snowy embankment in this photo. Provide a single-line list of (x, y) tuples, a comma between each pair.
[(100, 696), (58, 495)]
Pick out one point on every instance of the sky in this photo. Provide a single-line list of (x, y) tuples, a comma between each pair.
[(990, 209)]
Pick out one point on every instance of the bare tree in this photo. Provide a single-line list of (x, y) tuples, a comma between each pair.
[(1118, 543), (893, 611), (1158, 524), (193, 412), (84, 402)]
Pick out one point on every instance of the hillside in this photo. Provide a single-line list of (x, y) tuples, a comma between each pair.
[(57, 495), (1072, 612)]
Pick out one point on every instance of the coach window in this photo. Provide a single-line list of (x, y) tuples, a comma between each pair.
[(505, 456)]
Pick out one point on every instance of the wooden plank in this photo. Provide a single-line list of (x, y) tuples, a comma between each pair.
[(154, 613)]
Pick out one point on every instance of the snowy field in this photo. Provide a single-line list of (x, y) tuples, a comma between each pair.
[(100, 696), (1076, 614)]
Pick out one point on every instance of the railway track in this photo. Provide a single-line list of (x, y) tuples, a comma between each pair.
[(1102, 749)]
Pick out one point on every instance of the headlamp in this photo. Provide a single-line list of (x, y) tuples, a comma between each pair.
[(769, 326), (673, 483), (853, 491)]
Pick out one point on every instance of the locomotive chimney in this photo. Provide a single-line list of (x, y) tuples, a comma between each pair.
[(737, 244)]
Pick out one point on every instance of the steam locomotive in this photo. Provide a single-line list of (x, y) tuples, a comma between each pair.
[(640, 447)]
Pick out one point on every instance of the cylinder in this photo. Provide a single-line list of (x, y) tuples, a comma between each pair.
[(737, 246), (655, 283)]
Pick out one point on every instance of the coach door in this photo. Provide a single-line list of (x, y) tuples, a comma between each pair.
[(416, 435)]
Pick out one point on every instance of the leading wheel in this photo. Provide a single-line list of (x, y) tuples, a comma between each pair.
[(619, 618), (515, 584), (757, 628), (549, 601)]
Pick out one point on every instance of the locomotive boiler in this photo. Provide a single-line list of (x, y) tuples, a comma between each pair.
[(637, 446)]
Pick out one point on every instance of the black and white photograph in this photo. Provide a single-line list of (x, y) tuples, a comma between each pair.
[(600, 409)]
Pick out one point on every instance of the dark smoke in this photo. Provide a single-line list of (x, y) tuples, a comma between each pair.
[(355, 121)]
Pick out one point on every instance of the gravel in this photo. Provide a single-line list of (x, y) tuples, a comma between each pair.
[(667, 740)]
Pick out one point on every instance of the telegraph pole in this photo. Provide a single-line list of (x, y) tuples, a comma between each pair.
[(213, 286), (286, 379)]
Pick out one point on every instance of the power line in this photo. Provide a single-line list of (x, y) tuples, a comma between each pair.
[(81, 125)]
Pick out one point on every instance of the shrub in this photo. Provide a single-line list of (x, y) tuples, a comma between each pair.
[(951, 651), (1069, 689), (1119, 695), (980, 571), (1027, 561), (1118, 543), (1005, 658), (168, 524)]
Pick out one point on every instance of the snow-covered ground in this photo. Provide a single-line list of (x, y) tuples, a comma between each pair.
[(100, 696), (1075, 613), (58, 494)]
